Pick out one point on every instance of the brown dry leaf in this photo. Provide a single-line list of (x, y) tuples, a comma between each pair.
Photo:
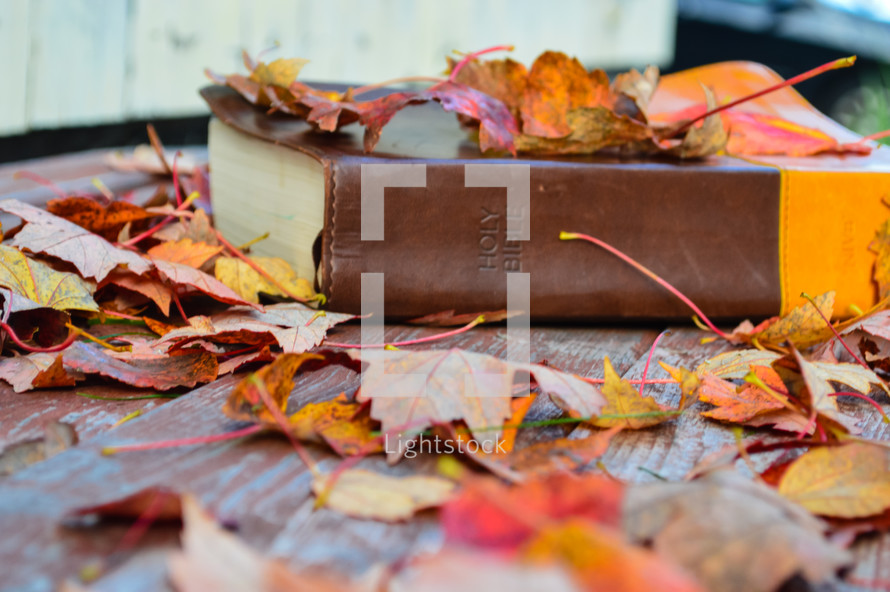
[(424, 388), (150, 287), (248, 283), (160, 371), (41, 284), (36, 370), (340, 424), (739, 404), (623, 399), (639, 87), (366, 494), (183, 275), (233, 363), (58, 437), (736, 363), (850, 481), (591, 130), (185, 251), (198, 229), (104, 220), (164, 503), (556, 85), (294, 326), (564, 454), (93, 256), (505, 80), (213, 559), (601, 560), (803, 326), (706, 139), (733, 534), (246, 404)]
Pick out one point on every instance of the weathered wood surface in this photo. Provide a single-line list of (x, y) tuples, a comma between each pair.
[(260, 484)]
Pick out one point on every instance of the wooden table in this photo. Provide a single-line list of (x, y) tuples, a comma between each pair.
[(259, 483)]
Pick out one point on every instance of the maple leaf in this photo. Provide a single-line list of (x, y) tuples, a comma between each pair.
[(150, 287), (248, 283), (281, 72), (197, 229), (214, 559), (592, 129), (563, 454), (34, 282), (602, 560), (708, 138), (754, 547), (488, 514), (849, 481), (294, 326), (36, 370), (639, 87), (93, 256), (736, 363), (184, 275), (425, 388), (162, 371), (185, 251), (623, 399), (739, 404), (811, 383), (339, 423), (245, 402), (366, 494), (505, 80), (802, 327), (761, 134), (104, 220)]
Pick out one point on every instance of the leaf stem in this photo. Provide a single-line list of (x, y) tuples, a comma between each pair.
[(72, 336), (248, 431), (478, 320), (649, 359), (833, 330), (370, 87), (472, 56), (647, 272), (282, 422), (105, 344), (833, 65), (865, 398)]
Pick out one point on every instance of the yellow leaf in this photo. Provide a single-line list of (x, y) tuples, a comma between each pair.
[(803, 326), (282, 72), (365, 494), (42, 284), (622, 399), (248, 283), (848, 481)]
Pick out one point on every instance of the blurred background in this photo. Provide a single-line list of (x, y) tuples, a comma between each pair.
[(80, 74)]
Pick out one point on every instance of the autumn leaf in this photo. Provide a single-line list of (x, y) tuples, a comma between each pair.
[(736, 363), (624, 400), (93, 256), (849, 481), (163, 503), (341, 424), (739, 404), (733, 534), (881, 246), (36, 370), (802, 327), (184, 275), (281, 72), (41, 284), (245, 402), (214, 559), (563, 454), (424, 388), (248, 283), (104, 220), (366, 494), (504, 80), (147, 285), (161, 372), (185, 251), (592, 129), (197, 229), (704, 140), (640, 87), (487, 514), (601, 560), (294, 326), (762, 134)]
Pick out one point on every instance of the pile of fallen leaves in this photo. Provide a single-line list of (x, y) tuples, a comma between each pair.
[(554, 106), (539, 516)]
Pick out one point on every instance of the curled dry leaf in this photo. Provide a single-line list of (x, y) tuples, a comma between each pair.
[(733, 534), (162, 371), (186, 276), (36, 370), (248, 283), (150, 287), (366, 494), (802, 327), (424, 388), (293, 326), (42, 285), (93, 256), (850, 481)]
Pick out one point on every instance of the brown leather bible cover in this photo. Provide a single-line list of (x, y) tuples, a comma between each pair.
[(709, 227)]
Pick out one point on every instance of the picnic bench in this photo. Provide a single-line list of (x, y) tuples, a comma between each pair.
[(258, 483)]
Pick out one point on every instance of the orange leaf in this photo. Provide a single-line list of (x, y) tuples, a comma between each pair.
[(185, 251)]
